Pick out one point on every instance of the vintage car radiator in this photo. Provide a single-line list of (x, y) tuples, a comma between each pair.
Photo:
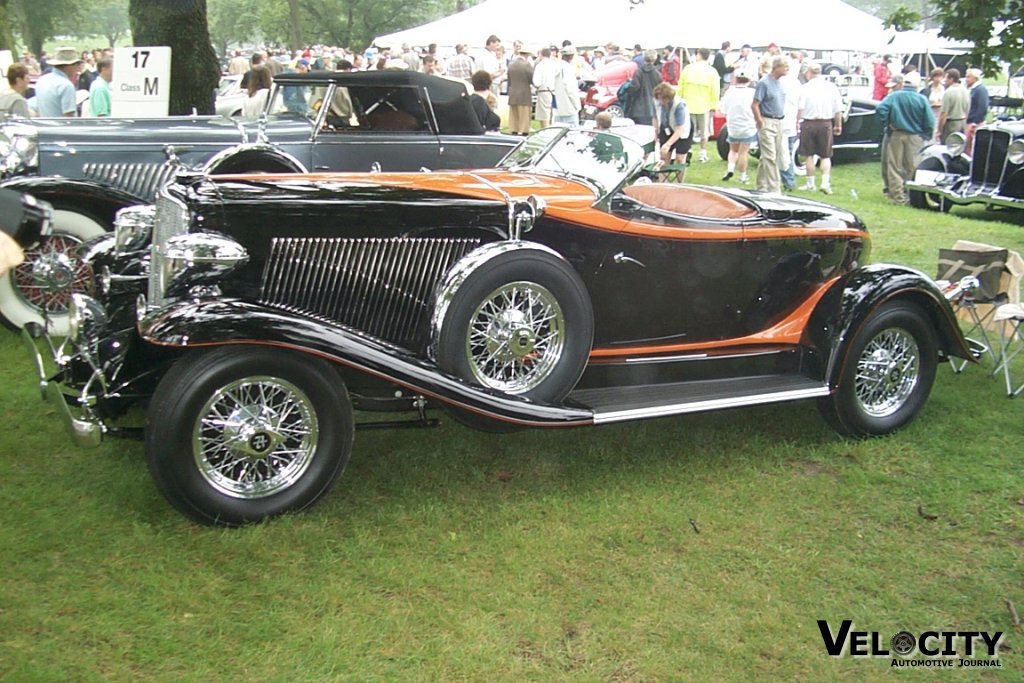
[(382, 286), (989, 159), (141, 180)]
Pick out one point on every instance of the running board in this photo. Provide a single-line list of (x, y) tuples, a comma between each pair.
[(619, 404)]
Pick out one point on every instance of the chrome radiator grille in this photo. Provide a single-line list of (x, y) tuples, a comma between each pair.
[(382, 286), (989, 157), (141, 180), (171, 219)]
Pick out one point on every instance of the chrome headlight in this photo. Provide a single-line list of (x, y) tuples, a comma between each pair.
[(19, 149), (956, 143), (133, 227), (1015, 154), (197, 259), (87, 320)]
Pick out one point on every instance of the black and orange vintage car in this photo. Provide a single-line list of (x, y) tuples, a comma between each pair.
[(253, 312)]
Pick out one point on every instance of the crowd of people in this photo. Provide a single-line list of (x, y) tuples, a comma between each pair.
[(780, 101), (67, 84)]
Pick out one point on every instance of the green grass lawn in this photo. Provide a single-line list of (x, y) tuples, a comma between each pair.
[(702, 547)]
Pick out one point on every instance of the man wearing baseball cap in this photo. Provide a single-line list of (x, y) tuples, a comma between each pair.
[(55, 91)]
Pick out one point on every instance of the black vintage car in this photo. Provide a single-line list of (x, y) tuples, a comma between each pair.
[(992, 176), (89, 168), (862, 129), (251, 313)]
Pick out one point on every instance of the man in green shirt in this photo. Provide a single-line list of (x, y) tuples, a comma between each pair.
[(99, 91), (908, 118)]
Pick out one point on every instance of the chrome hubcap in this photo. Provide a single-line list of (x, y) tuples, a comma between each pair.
[(887, 372), (516, 337), (255, 437), (50, 274)]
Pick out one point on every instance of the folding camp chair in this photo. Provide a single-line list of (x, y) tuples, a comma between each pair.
[(1010, 318), (974, 278)]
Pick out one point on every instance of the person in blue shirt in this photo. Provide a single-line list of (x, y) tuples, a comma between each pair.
[(674, 131), (55, 91), (769, 108), (979, 105), (294, 96)]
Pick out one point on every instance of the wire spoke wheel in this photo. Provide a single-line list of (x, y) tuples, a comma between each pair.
[(255, 437), (887, 372), (50, 274), (515, 337)]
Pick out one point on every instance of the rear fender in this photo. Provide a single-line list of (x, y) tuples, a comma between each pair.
[(253, 158), (844, 308), (199, 324)]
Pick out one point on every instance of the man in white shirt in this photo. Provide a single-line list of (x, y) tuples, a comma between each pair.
[(490, 63), (821, 118), (545, 72), (567, 91)]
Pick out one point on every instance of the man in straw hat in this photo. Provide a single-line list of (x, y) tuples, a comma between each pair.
[(55, 91)]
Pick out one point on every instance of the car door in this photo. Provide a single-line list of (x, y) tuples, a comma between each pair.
[(388, 129), (671, 279)]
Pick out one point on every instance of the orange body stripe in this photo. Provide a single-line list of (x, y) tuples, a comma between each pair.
[(785, 332), (567, 200)]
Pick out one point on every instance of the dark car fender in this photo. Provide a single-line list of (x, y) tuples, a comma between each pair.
[(98, 201), (220, 322), (844, 308), (939, 158), (252, 158)]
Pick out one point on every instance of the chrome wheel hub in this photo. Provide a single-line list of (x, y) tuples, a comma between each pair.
[(887, 372), (509, 336), (255, 437), (516, 337)]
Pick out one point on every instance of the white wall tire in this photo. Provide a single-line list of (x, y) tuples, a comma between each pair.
[(49, 275)]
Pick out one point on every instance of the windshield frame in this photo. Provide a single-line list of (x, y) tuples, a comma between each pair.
[(538, 153)]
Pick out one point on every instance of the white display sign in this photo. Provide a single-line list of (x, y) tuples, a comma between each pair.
[(142, 82)]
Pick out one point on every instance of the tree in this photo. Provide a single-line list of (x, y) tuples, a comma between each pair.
[(6, 35), (979, 22), (235, 22), (107, 18), (182, 25), (41, 20)]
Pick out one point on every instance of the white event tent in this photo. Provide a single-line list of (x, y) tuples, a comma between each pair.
[(809, 24)]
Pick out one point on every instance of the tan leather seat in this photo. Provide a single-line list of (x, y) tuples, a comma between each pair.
[(690, 201)]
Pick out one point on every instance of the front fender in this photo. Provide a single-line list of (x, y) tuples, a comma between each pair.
[(98, 201), (938, 158), (845, 307), (198, 324)]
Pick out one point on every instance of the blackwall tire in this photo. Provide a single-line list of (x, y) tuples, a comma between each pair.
[(928, 200), (50, 274), (522, 324), (887, 373), (240, 434), (722, 143)]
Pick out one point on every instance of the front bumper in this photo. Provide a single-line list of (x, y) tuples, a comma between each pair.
[(85, 430), (957, 189)]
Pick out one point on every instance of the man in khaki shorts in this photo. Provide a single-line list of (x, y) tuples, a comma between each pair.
[(820, 113)]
